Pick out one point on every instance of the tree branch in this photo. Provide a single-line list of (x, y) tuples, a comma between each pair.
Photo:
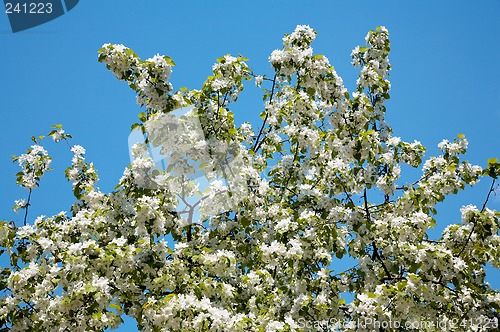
[(257, 143), (27, 207), (492, 188)]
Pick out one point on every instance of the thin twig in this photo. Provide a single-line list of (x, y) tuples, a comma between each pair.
[(492, 188), (27, 207), (257, 143)]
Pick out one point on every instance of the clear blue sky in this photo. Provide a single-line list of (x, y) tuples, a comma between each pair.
[(445, 77)]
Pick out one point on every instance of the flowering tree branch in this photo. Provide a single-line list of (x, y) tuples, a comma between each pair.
[(294, 227)]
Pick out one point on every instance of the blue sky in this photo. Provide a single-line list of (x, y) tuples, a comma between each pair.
[(445, 77)]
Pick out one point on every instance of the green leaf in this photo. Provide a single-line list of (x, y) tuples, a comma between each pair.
[(115, 306), (311, 92), (368, 133), (136, 125), (493, 169), (245, 222), (169, 60), (339, 254), (143, 117)]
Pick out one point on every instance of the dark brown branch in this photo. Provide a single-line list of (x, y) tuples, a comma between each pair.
[(27, 207), (492, 188), (257, 143)]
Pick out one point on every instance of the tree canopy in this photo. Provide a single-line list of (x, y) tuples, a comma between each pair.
[(254, 229)]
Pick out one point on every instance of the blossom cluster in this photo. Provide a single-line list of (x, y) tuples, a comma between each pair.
[(34, 164), (150, 78)]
